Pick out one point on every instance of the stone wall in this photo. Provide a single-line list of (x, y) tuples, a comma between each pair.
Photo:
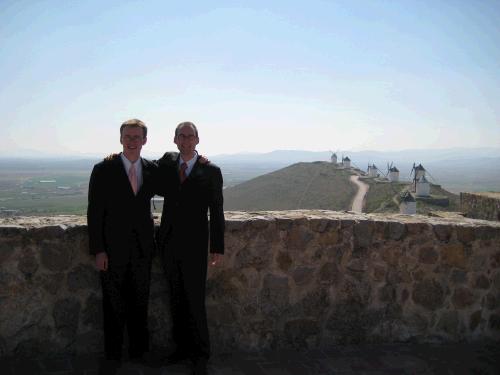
[(291, 279), (484, 206)]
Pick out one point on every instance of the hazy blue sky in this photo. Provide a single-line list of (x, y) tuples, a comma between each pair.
[(253, 75)]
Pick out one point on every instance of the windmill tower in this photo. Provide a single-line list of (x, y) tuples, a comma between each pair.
[(392, 173), (407, 204), (423, 187), (417, 172), (372, 170), (346, 162)]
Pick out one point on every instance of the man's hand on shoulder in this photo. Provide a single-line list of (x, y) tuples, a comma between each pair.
[(111, 157), (203, 159), (101, 261)]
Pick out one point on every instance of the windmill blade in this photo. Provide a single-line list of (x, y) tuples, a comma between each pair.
[(433, 179), (412, 169)]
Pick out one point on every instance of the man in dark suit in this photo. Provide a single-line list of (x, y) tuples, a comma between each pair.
[(121, 236), (191, 190)]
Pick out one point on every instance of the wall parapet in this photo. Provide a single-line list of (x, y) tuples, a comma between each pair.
[(484, 206), (299, 279)]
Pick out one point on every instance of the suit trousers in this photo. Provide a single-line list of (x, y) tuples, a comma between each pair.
[(186, 278), (125, 290)]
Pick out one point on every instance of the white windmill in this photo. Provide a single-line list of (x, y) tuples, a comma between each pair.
[(392, 173)]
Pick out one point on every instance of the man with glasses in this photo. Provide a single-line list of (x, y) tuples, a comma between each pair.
[(191, 190), (121, 236)]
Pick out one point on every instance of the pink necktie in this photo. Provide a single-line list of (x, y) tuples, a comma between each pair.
[(183, 172), (132, 176)]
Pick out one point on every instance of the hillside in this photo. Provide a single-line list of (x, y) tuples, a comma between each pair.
[(316, 185), (380, 198), (320, 185)]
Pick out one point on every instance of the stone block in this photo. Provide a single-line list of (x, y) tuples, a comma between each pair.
[(319, 225), (6, 251), (454, 255), (302, 275), (379, 272), (443, 232), (495, 260), (55, 256), (298, 238), (363, 233), (428, 255), (428, 294), (284, 261), (66, 314), (482, 282), (494, 322), (329, 238), (351, 323), (391, 254), (298, 331), (314, 303), (226, 285), (397, 231), (92, 312), (275, 293), (475, 320), (463, 297), (491, 302), (465, 234), (49, 232), (328, 273), (486, 233), (387, 293), (449, 323), (458, 276), (28, 264), (11, 231), (83, 277)]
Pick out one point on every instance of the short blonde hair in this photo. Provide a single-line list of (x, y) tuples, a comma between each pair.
[(135, 123)]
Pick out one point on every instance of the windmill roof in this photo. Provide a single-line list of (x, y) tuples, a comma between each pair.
[(393, 169), (420, 168), (347, 158)]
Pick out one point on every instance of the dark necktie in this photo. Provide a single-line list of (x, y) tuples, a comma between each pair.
[(183, 172)]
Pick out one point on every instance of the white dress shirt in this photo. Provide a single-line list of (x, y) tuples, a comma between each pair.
[(138, 169)]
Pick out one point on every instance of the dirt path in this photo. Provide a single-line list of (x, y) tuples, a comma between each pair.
[(357, 202)]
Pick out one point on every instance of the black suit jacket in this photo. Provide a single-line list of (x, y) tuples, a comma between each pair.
[(119, 222), (184, 222)]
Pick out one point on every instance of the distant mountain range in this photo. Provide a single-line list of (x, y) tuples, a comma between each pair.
[(365, 157), (295, 156), (456, 169)]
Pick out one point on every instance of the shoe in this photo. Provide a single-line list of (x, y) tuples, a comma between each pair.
[(200, 366)]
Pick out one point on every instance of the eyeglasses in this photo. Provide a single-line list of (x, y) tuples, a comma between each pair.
[(184, 137)]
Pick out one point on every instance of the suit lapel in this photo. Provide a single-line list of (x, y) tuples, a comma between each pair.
[(146, 174)]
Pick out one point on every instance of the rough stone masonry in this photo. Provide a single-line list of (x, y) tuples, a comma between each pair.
[(290, 279)]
